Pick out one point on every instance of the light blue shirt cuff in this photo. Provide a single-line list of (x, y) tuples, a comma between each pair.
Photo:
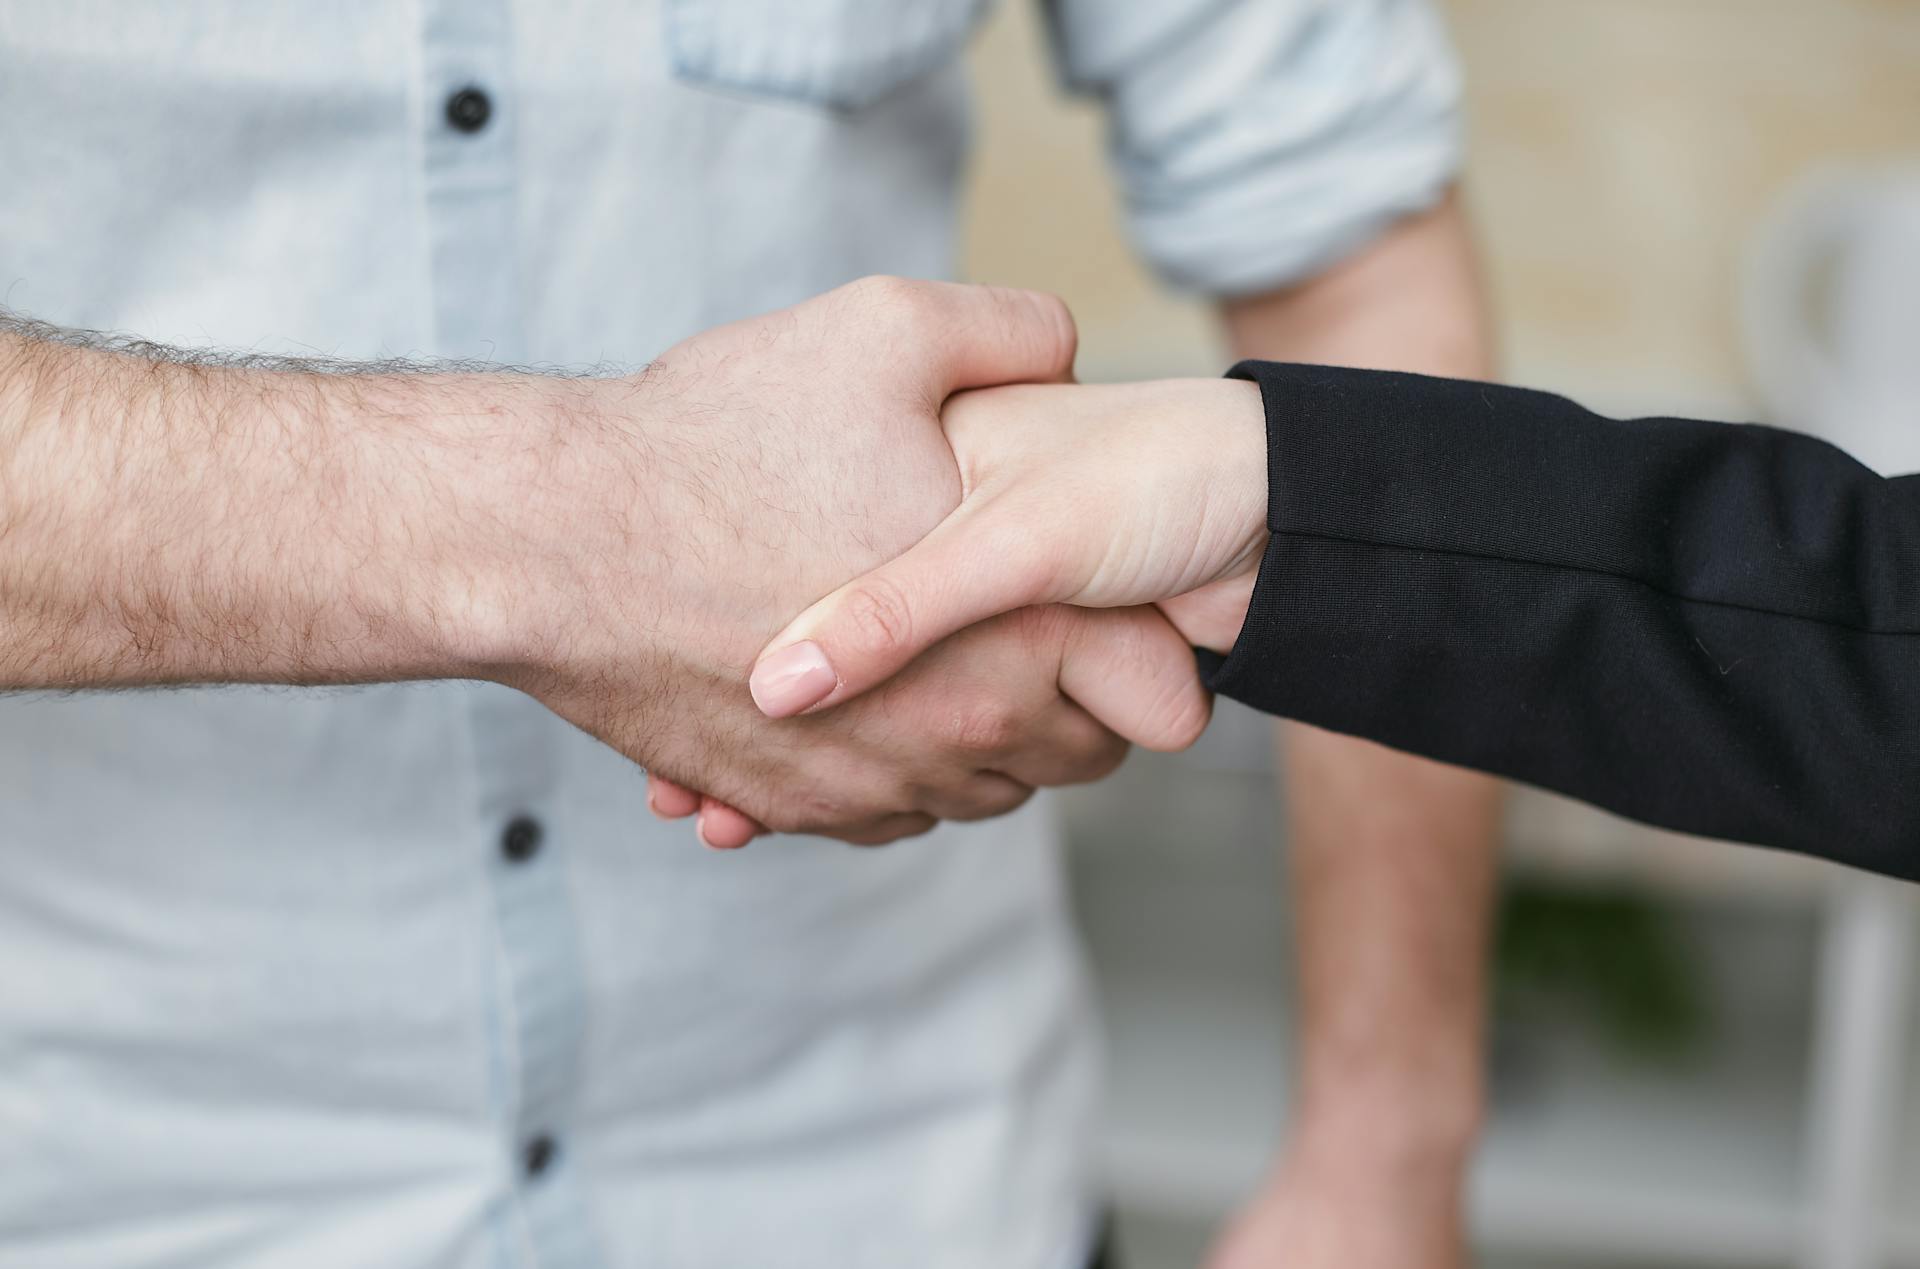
[(1256, 144)]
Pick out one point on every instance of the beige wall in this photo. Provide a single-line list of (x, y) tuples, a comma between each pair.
[(1622, 152)]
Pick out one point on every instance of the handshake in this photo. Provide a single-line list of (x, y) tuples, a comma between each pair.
[(876, 561)]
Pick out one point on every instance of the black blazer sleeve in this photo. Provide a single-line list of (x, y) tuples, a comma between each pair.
[(1710, 627)]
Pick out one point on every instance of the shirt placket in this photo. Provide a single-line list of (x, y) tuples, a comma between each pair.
[(469, 120), (540, 1005), (539, 1002)]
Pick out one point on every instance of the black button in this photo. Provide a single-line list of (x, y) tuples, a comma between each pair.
[(521, 840), (537, 1155), (468, 110)]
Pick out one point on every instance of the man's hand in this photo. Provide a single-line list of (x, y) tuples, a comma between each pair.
[(1094, 496), (618, 548), (805, 447)]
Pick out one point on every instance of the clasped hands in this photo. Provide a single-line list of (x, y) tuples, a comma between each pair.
[(1001, 574)]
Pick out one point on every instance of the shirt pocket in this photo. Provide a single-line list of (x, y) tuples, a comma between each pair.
[(839, 53)]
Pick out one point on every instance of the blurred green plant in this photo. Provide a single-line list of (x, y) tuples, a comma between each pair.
[(1613, 958)]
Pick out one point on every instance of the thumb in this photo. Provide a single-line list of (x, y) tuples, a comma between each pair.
[(1134, 672), (983, 336), (972, 566)]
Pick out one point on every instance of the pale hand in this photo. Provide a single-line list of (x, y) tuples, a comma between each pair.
[(1093, 496)]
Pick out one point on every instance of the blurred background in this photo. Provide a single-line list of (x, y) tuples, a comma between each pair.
[(1701, 1054)]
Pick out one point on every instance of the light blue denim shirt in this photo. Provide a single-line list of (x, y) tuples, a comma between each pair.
[(399, 977)]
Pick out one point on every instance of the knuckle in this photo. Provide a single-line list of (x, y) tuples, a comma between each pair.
[(813, 811), (893, 308), (787, 819), (872, 284), (885, 291), (1045, 627), (845, 791), (878, 614), (1133, 650), (890, 829), (987, 728)]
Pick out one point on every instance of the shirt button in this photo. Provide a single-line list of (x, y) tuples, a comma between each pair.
[(468, 110), (538, 1155), (521, 840)]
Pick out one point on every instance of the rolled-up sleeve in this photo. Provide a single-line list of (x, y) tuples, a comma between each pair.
[(1258, 141)]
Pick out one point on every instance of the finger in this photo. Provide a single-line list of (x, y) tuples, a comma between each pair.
[(1211, 617), (975, 564), (988, 335), (1066, 746), (668, 800), (1131, 670), (984, 795), (890, 828), (721, 827)]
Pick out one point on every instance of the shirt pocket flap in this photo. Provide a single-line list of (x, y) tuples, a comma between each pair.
[(839, 53)]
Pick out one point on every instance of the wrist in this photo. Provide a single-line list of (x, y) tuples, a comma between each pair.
[(1416, 1124), (518, 511), (1235, 431), (1229, 421)]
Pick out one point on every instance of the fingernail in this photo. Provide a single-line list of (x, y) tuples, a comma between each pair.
[(651, 804), (792, 679), (700, 831)]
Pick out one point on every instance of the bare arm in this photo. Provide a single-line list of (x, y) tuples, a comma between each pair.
[(1392, 857), (618, 547), (172, 519)]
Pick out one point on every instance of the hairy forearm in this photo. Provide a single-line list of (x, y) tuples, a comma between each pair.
[(616, 547), (172, 518)]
